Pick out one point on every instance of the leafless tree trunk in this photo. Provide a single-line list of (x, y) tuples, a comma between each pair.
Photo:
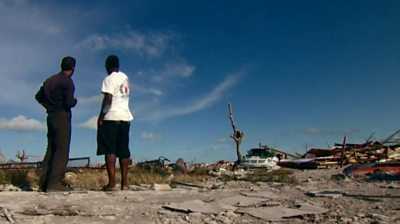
[(22, 156), (237, 136)]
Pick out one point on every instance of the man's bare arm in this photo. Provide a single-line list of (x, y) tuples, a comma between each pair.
[(105, 107)]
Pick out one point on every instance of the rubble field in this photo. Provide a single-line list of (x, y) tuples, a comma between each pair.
[(317, 196)]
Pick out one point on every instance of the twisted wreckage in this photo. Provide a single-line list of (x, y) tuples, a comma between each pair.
[(362, 158)]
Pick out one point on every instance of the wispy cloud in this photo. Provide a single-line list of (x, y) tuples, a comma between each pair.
[(201, 103), (223, 140), (15, 91), (151, 45), (151, 137), (319, 132), (89, 124), (84, 101), (209, 99), (179, 69), (30, 38), (23, 15), (21, 123), (152, 91)]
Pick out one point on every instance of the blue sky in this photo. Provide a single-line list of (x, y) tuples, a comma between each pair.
[(296, 72)]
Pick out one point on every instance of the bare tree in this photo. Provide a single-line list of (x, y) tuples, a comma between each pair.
[(22, 156), (237, 136)]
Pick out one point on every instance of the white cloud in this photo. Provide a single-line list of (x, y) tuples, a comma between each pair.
[(223, 140), (20, 16), (210, 98), (21, 123), (151, 137), (152, 45), (199, 104), (90, 124), (214, 95), (30, 40), (83, 101), (14, 91), (143, 90), (176, 69), (312, 131)]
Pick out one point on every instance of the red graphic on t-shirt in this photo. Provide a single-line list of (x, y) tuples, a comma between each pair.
[(124, 88)]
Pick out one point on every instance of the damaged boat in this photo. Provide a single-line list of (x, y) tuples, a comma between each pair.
[(262, 157)]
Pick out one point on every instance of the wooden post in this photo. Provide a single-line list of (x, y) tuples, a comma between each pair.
[(387, 152), (343, 148), (237, 136)]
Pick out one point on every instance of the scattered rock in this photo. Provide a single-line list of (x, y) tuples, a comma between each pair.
[(379, 217), (161, 187), (70, 179), (9, 187)]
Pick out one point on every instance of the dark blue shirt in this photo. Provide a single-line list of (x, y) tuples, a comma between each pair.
[(57, 93)]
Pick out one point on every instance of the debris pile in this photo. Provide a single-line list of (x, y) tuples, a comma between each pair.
[(371, 152)]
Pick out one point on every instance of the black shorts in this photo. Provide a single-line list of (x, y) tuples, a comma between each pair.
[(113, 138)]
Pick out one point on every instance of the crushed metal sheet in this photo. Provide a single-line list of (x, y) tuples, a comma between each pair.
[(276, 214)]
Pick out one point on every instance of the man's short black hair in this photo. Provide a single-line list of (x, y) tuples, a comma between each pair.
[(67, 63), (112, 61)]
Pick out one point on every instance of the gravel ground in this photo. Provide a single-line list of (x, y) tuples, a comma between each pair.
[(333, 198)]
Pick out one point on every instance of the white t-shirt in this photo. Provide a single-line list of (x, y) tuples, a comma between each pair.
[(117, 84)]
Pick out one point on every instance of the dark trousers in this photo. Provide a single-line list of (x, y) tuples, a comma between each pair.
[(58, 141)]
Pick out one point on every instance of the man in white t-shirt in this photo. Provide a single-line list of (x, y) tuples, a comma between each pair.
[(114, 123)]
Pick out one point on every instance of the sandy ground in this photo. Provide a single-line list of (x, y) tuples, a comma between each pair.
[(320, 196)]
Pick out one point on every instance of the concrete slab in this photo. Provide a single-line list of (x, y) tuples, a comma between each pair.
[(263, 194), (242, 201), (276, 214)]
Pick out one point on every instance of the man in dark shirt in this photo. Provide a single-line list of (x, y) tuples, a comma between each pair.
[(57, 96)]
